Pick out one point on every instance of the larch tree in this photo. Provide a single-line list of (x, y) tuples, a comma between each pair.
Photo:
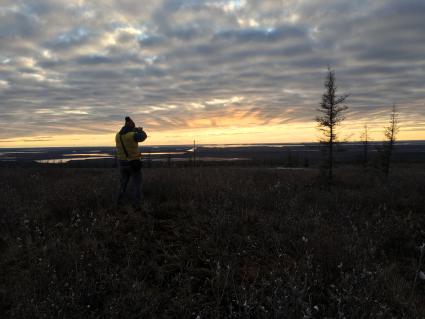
[(390, 132), (365, 138), (331, 115)]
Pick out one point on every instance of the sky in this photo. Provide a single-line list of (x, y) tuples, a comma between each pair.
[(214, 71)]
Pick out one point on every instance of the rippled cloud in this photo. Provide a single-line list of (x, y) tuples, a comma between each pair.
[(76, 66)]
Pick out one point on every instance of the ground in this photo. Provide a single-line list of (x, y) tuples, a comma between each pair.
[(212, 243)]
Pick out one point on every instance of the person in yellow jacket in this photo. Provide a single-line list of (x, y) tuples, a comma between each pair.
[(129, 160)]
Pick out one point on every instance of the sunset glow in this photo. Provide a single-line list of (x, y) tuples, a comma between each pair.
[(256, 134)]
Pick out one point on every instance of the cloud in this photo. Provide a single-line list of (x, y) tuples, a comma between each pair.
[(184, 64)]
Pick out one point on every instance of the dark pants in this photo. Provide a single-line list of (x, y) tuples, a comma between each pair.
[(129, 175)]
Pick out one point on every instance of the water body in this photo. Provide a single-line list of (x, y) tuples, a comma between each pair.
[(294, 153), (66, 160)]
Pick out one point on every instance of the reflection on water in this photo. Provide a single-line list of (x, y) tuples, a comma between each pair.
[(249, 145), (181, 159), (163, 153), (89, 154), (66, 160)]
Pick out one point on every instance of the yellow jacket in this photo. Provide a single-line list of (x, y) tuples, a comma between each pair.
[(131, 145)]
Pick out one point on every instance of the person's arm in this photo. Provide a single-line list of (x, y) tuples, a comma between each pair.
[(140, 135)]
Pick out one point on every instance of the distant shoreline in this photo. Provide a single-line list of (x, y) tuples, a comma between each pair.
[(400, 142), (269, 154)]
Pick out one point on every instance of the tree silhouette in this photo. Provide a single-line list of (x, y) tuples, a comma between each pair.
[(331, 110), (391, 132), (365, 138)]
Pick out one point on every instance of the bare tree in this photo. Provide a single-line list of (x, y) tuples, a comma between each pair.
[(331, 110), (365, 138), (194, 153), (391, 132)]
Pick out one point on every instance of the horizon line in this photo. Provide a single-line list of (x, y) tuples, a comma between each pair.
[(203, 144)]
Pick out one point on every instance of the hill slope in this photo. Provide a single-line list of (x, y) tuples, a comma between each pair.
[(212, 242)]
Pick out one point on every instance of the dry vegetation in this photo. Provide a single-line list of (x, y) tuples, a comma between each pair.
[(213, 243)]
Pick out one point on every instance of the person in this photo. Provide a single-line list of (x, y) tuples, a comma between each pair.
[(129, 161)]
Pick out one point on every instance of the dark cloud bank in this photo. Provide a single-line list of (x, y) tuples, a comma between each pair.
[(71, 66)]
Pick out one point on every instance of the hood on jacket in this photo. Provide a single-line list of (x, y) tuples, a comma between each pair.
[(126, 129)]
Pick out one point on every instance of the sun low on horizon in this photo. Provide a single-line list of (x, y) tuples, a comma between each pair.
[(214, 71)]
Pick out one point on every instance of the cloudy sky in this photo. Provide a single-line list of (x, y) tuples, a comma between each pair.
[(217, 71)]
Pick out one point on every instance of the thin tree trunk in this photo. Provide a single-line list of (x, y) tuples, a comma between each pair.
[(331, 139), (331, 157), (365, 147)]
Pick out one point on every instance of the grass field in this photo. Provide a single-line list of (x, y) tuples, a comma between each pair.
[(212, 243)]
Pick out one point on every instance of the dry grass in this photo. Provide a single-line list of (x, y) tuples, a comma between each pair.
[(213, 243)]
